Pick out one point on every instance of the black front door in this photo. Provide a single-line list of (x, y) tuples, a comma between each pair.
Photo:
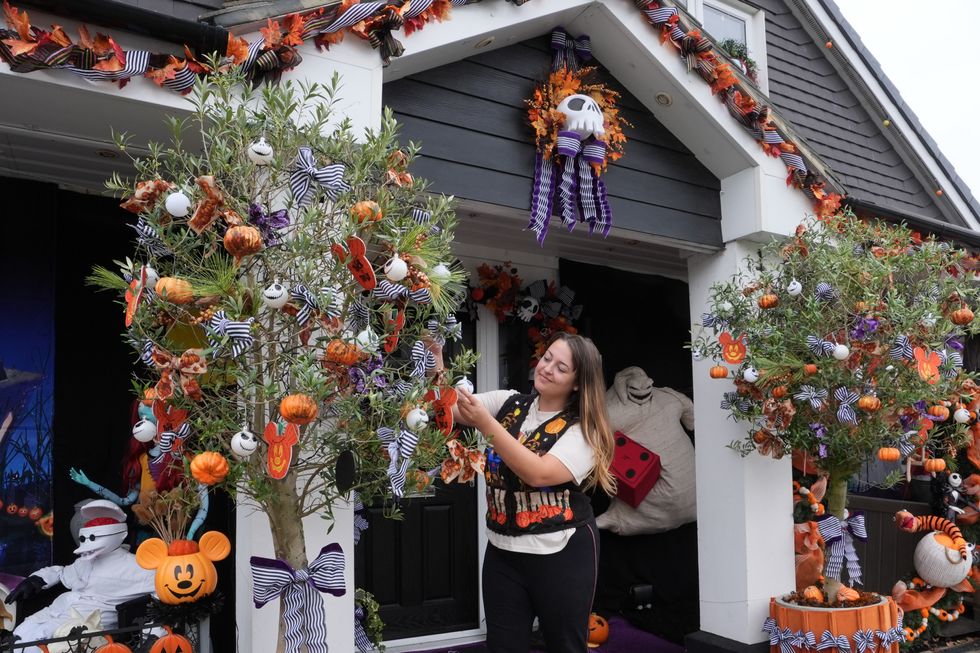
[(423, 569)]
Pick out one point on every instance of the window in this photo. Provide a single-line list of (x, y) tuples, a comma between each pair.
[(722, 25), (730, 19)]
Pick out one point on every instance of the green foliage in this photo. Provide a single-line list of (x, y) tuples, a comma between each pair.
[(373, 625), (245, 391), (884, 282)]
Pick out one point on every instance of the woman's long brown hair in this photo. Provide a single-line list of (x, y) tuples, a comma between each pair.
[(591, 399)]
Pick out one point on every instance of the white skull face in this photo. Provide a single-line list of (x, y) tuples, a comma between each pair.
[(416, 419), (794, 288), (396, 269), (528, 308), (582, 116), (750, 374), (260, 152), (244, 443), (275, 296), (955, 480), (465, 384)]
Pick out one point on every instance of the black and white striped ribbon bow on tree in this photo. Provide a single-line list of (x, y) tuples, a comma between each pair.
[(393, 292), (238, 333), (451, 329), (305, 177), (401, 446), (303, 613), (423, 360), (170, 443)]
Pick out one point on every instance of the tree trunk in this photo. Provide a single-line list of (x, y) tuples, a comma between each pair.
[(836, 504), (285, 517)]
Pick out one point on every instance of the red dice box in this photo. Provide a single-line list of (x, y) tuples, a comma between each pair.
[(636, 469)]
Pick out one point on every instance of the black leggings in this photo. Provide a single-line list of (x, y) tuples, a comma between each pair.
[(558, 588)]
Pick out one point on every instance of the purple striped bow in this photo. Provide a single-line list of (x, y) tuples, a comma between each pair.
[(361, 640), (239, 334), (864, 640), (423, 360), (360, 522), (826, 292), (734, 401), (300, 590), (816, 397), (442, 331), (829, 641), (853, 528), (400, 450), (305, 175), (268, 224), (950, 363), (569, 52), (805, 640), (148, 237), (832, 533), (820, 347), (308, 305), (392, 292), (845, 409)]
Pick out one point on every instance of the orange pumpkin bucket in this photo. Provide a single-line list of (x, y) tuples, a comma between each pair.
[(883, 616)]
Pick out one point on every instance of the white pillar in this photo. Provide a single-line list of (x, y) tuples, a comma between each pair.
[(359, 100)]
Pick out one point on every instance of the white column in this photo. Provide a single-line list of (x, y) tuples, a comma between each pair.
[(360, 101)]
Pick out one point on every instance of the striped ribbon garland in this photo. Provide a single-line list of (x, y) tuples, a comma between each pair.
[(239, 333), (400, 450), (300, 591)]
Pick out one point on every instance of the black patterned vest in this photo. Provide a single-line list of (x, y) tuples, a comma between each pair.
[(515, 508)]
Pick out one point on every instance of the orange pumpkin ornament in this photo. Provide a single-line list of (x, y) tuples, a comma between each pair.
[(961, 316), (172, 643), (209, 467), (185, 569), (779, 391), (889, 454), (298, 409), (869, 403), (598, 630), (810, 368), (941, 413), (345, 353), (768, 300), (174, 290), (113, 647), (718, 372), (934, 465), (366, 210), (242, 241)]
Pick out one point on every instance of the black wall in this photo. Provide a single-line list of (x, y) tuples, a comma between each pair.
[(471, 119)]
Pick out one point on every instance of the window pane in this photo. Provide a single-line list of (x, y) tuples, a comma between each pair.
[(722, 25)]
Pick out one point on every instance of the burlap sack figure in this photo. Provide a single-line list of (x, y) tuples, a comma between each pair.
[(653, 418)]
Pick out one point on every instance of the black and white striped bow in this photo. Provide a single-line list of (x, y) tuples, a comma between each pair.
[(361, 640), (360, 522), (391, 292), (568, 51), (895, 635), (400, 450), (853, 528), (334, 305), (300, 591), (308, 306), (864, 641), (360, 315), (820, 347), (146, 349), (829, 641), (305, 173), (803, 640), (907, 443), (238, 333), (816, 396), (170, 441), (845, 410), (902, 349), (734, 401), (781, 637), (950, 363), (147, 236), (442, 331), (423, 360), (708, 320), (423, 217), (399, 388), (826, 292)]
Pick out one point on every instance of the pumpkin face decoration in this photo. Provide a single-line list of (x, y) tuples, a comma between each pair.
[(185, 570), (113, 647), (598, 630), (35, 514), (280, 455), (733, 350), (209, 467), (298, 409), (241, 241), (172, 643)]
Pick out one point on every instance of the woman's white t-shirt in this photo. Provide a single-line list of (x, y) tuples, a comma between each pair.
[(571, 450)]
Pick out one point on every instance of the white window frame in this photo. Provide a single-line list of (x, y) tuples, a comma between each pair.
[(755, 30)]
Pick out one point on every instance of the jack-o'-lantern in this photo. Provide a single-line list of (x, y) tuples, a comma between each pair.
[(113, 647), (172, 643), (35, 513), (22, 512), (185, 569), (12, 509), (598, 630), (298, 409)]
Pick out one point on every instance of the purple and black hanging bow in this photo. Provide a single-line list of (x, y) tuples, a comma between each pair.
[(268, 224)]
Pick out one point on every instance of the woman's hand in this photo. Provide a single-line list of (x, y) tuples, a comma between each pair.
[(473, 412)]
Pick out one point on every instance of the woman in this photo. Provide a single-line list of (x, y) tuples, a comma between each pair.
[(545, 449)]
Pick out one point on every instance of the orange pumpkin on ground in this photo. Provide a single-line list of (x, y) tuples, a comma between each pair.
[(298, 409), (174, 290), (184, 570), (172, 643), (209, 467), (598, 630)]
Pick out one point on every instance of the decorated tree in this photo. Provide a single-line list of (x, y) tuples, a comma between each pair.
[(843, 343), (291, 281)]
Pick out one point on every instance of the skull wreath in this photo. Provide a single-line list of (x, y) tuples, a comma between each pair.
[(528, 308), (582, 116)]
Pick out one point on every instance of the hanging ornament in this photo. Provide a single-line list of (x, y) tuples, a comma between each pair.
[(396, 269), (841, 352), (928, 320), (151, 277), (275, 296), (244, 443), (416, 419), (733, 350), (697, 354), (961, 415), (750, 374), (368, 340), (280, 455), (725, 306), (144, 430), (440, 274), (260, 153), (177, 204), (795, 288), (465, 384)]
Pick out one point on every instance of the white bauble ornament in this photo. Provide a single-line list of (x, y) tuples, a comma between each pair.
[(440, 274), (582, 116), (152, 276), (396, 269), (750, 374), (928, 320), (177, 204), (697, 354), (841, 352), (725, 306), (465, 384), (961, 415), (275, 296), (794, 288), (260, 153), (937, 563), (244, 443), (368, 340), (416, 419), (144, 430)]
